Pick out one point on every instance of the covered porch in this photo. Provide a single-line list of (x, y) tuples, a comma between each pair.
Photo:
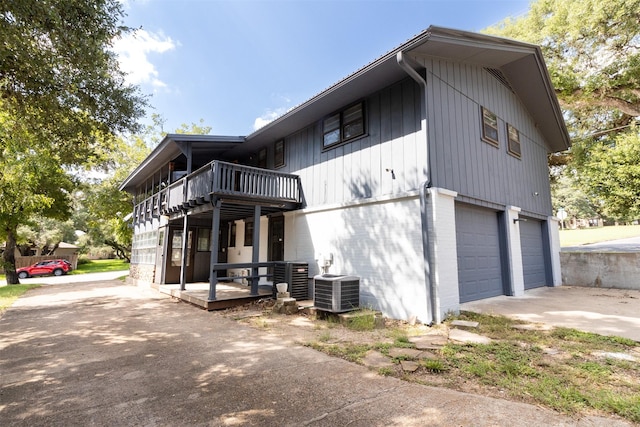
[(229, 294), (198, 214)]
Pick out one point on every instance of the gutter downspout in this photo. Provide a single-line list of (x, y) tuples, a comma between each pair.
[(410, 66)]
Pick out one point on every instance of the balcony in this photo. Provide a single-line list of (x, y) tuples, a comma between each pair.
[(227, 181)]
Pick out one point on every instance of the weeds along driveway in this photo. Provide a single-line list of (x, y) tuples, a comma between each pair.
[(104, 353)]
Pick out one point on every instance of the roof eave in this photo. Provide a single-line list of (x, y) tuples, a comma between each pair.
[(334, 97), (170, 147)]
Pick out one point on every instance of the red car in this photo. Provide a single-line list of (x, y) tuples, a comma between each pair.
[(57, 267)]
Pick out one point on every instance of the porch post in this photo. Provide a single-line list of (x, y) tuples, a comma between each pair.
[(185, 247), (256, 250), (215, 231), (189, 155), (515, 273)]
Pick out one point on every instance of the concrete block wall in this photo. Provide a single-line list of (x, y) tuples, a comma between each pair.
[(441, 226), (553, 228), (515, 251), (377, 239), (620, 270)]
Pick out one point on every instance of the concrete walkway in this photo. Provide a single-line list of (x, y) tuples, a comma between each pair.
[(72, 278), (108, 354), (599, 310)]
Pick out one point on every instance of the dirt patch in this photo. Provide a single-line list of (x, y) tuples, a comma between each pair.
[(556, 368), (309, 326)]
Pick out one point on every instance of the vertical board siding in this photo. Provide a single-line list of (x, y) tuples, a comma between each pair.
[(386, 152), (375, 141), (466, 164), (459, 159), (357, 169)]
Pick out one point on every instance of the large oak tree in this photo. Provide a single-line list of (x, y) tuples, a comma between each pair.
[(62, 100), (108, 208), (592, 49)]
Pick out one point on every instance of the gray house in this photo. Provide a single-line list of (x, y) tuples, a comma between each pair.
[(424, 173)]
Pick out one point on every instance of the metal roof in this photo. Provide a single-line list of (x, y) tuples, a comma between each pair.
[(521, 63), (172, 146)]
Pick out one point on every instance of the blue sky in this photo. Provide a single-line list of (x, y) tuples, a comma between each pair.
[(238, 64)]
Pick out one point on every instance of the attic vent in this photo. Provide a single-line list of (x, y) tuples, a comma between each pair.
[(500, 77)]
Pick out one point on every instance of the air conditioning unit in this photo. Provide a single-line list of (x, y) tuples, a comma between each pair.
[(296, 275), (336, 293)]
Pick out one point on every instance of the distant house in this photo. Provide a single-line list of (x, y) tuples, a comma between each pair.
[(65, 248), (61, 249), (424, 173)]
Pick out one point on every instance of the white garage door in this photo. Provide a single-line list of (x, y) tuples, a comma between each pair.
[(479, 263), (533, 259)]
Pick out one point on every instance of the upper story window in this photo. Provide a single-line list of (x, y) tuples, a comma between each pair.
[(262, 158), (278, 154), (343, 126), (489, 127), (514, 147)]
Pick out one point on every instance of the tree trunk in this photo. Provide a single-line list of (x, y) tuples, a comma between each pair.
[(121, 251), (53, 249), (9, 258)]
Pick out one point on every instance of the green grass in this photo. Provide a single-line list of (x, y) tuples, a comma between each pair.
[(361, 320), (597, 234), (349, 351), (574, 381), (433, 365), (101, 266), (563, 369), (10, 293)]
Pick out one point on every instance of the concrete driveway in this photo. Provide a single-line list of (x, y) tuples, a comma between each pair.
[(631, 244), (74, 278), (108, 354), (599, 310)]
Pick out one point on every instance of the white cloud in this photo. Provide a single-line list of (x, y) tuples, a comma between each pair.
[(268, 117), (133, 50)]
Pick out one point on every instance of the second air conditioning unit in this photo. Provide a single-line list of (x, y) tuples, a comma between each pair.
[(296, 275)]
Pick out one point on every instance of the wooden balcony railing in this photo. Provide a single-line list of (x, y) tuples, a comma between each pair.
[(226, 180), (148, 208)]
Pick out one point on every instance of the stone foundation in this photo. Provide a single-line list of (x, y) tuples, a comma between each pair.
[(142, 272)]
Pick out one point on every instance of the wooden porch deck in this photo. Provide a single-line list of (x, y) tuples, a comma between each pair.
[(228, 294)]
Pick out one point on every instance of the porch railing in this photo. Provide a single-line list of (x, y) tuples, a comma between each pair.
[(149, 208), (224, 180), (237, 180)]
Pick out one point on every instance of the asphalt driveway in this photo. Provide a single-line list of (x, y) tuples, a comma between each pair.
[(108, 354)]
